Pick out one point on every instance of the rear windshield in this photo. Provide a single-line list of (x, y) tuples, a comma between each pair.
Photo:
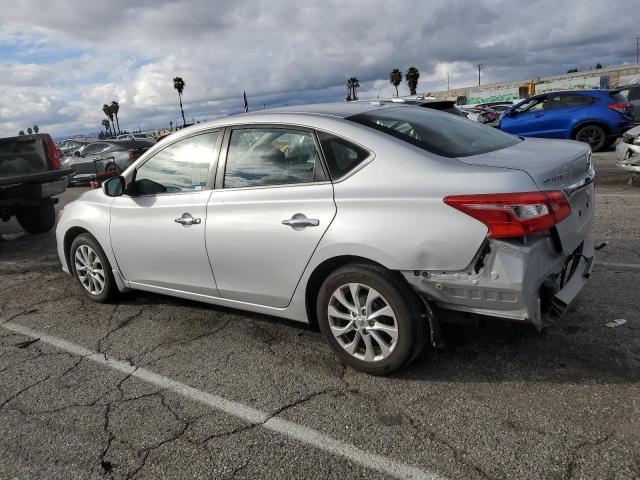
[(439, 133)]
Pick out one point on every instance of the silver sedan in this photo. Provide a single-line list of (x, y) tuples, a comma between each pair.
[(358, 217)]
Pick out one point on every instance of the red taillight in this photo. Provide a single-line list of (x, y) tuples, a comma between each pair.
[(620, 107), (54, 154), (135, 154), (513, 214)]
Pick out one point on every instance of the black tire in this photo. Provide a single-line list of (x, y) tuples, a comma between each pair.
[(110, 289), (409, 312), (594, 135), (37, 218)]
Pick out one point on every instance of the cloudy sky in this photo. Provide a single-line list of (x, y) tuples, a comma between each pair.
[(60, 60)]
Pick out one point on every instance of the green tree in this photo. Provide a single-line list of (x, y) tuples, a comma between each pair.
[(395, 77), (21, 132), (109, 113), (352, 84), (115, 108), (29, 131), (36, 128), (105, 124), (171, 125), (178, 84), (412, 76)]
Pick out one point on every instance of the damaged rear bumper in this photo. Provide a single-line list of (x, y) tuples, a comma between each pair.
[(528, 281)]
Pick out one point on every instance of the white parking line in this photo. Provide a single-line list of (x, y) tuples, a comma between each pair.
[(244, 412), (635, 266)]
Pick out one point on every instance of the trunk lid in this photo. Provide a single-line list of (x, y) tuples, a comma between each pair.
[(553, 165)]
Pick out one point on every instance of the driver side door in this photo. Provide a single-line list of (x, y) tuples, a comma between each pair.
[(157, 228), (526, 120)]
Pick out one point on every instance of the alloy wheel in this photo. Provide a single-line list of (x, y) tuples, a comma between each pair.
[(363, 322), (590, 135), (89, 270)]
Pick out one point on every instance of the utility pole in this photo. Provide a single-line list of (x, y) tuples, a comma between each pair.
[(480, 65), (637, 48), (448, 75)]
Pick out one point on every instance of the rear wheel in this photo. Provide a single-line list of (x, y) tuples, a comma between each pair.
[(91, 269), (594, 135), (37, 218), (370, 319)]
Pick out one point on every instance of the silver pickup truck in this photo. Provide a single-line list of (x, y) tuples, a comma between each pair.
[(30, 175)]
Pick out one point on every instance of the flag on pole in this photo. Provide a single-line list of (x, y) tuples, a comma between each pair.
[(246, 103)]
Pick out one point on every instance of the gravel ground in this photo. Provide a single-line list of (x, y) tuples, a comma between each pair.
[(499, 401)]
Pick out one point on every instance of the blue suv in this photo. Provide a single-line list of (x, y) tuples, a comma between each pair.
[(596, 117)]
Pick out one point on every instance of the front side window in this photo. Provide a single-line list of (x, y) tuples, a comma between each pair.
[(270, 156), (439, 133), (181, 167), (341, 155)]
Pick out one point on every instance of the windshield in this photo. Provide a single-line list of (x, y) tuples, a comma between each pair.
[(440, 133)]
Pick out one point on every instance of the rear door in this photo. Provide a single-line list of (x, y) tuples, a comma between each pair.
[(562, 111), (272, 203)]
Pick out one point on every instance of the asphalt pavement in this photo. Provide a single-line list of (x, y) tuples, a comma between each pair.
[(156, 387)]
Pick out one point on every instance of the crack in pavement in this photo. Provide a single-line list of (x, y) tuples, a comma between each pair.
[(121, 325)]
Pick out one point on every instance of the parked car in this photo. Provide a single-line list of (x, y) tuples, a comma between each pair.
[(354, 216), (497, 106), (480, 114), (596, 117), (70, 145), (136, 136), (632, 94), (628, 152), (30, 177), (102, 159)]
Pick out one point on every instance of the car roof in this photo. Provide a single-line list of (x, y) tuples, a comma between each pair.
[(340, 110)]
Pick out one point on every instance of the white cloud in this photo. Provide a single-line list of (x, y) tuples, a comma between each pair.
[(61, 60)]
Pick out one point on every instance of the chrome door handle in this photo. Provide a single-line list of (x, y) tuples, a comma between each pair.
[(300, 221), (187, 220)]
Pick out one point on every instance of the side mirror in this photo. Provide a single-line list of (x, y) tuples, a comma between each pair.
[(77, 154), (113, 187)]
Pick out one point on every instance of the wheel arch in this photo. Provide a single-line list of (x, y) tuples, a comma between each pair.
[(70, 235), (584, 123), (323, 270)]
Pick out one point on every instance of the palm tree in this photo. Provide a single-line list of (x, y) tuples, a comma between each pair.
[(352, 84), (29, 131), (395, 77), (412, 77), (36, 128), (109, 113), (105, 124), (178, 84), (115, 108)]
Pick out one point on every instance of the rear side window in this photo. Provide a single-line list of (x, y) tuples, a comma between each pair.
[(342, 156), (618, 97), (439, 133)]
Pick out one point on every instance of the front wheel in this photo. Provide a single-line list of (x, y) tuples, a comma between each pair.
[(371, 320), (91, 269), (594, 135)]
